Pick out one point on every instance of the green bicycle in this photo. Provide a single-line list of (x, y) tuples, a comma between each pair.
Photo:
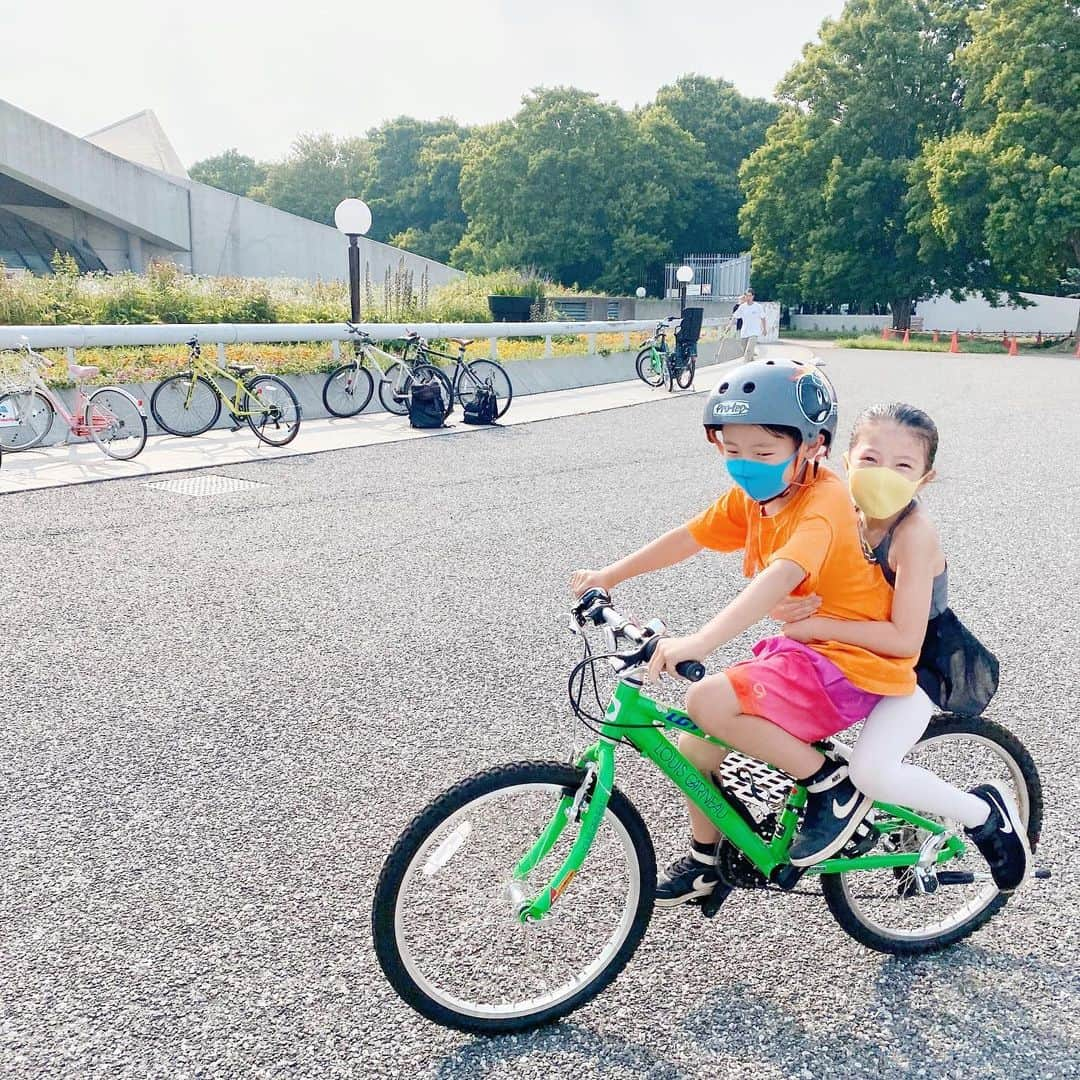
[(520, 893), (190, 403)]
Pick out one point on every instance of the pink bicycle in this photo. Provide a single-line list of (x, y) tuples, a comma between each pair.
[(110, 416)]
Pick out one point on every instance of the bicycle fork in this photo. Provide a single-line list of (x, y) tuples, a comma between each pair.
[(587, 806)]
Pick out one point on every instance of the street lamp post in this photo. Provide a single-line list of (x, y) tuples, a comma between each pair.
[(684, 275), (353, 218)]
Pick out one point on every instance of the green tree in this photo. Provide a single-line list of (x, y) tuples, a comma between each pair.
[(539, 189), (827, 194), (317, 174), (230, 171), (1000, 200), (729, 127)]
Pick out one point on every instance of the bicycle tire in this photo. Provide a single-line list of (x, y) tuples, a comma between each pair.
[(390, 377), (685, 378), (200, 425), (338, 390), (644, 367), (485, 371), (396, 962), (278, 435), (14, 438), (133, 434), (834, 886)]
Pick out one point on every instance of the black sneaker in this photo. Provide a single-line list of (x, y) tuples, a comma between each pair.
[(1002, 838), (834, 809), (688, 878)]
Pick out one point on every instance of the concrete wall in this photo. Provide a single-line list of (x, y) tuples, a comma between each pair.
[(232, 235), (52, 160), (1051, 315), (860, 324)]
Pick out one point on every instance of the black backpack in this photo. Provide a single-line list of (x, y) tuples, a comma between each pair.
[(483, 408), (427, 406)]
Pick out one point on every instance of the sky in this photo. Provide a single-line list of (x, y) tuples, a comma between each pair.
[(222, 73)]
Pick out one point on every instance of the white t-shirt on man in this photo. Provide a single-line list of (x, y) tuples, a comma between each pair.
[(751, 315)]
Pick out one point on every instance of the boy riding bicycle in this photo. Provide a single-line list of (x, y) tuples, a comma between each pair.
[(774, 420)]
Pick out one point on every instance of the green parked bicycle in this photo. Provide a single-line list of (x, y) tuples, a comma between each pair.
[(520, 893)]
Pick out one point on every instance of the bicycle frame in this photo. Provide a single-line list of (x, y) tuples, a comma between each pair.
[(213, 371), (637, 719)]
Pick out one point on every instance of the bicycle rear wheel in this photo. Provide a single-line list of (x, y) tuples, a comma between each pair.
[(25, 419), (347, 390), (185, 405), (116, 423), (885, 909), (480, 372), (685, 377), (445, 916), (273, 411), (650, 366)]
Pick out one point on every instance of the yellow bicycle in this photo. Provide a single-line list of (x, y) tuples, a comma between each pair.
[(190, 403)]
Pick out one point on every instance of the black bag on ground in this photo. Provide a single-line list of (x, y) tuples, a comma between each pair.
[(483, 408), (427, 406), (957, 672)]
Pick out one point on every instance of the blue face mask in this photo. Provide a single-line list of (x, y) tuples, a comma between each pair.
[(760, 480)]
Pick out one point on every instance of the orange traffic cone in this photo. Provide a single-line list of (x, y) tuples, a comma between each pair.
[(954, 345), (1013, 350), (937, 337), (884, 333), (907, 337), (1077, 353)]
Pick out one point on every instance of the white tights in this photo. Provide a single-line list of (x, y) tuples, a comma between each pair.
[(877, 769)]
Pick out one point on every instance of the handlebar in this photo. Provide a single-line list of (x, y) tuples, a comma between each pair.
[(595, 607)]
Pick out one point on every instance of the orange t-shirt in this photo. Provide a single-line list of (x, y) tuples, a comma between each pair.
[(817, 530)]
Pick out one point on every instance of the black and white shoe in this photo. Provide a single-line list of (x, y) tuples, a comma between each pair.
[(1002, 838), (692, 876), (834, 809)]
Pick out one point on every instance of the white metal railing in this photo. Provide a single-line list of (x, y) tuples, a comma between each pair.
[(102, 336)]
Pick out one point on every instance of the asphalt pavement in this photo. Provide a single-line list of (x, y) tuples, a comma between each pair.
[(220, 711)]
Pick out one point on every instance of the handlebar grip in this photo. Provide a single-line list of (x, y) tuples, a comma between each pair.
[(691, 670)]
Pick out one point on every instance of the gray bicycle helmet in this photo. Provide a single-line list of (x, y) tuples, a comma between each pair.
[(775, 393)]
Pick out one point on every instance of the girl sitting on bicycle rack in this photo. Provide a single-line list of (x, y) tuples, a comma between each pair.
[(797, 528), (890, 459)]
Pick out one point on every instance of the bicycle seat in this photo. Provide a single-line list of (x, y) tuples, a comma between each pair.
[(82, 374), (464, 342), (241, 369)]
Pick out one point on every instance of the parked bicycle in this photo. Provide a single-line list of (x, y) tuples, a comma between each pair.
[(348, 388), (521, 892), (469, 377), (658, 364), (110, 417), (190, 403)]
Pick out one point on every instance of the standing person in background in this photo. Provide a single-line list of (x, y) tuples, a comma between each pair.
[(750, 318)]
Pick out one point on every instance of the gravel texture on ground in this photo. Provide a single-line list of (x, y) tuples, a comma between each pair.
[(221, 712)]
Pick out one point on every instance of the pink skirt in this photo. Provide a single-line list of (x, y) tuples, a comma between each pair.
[(799, 690)]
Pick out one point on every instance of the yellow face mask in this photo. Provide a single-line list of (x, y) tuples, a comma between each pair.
[(879, 492)]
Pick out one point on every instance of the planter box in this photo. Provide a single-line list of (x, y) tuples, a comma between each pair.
[(510, 308)]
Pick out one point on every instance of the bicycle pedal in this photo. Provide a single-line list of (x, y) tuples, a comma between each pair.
[(710, 904), (236, 427)]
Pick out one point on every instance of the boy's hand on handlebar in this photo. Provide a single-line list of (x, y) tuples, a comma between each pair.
[(583, 580), (671, 651), (793, 609)]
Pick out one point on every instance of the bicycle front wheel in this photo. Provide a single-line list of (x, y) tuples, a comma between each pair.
[(394, 389), (886, 909), (273, 411), (485, 372), (185, 405), (116, 423), (650, 366), (25, 419), (685, 377), (445, 916), (347, 390)]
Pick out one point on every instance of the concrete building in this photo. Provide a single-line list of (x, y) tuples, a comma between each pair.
[(121, 197)]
